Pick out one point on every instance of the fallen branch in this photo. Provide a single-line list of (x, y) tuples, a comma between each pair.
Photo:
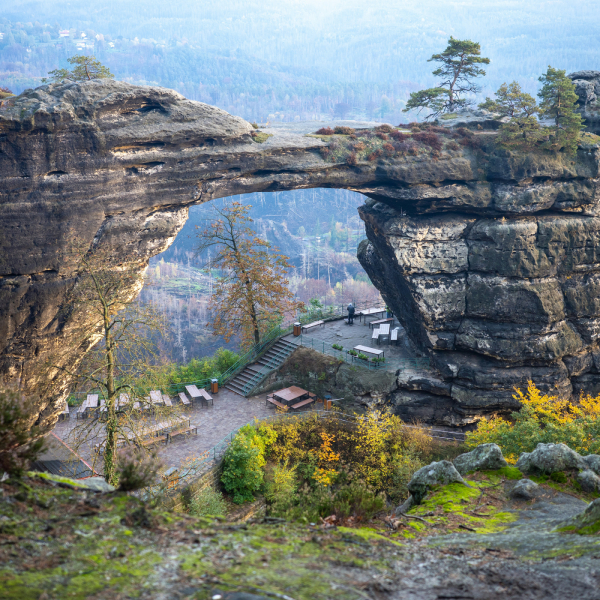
[(413, 517)]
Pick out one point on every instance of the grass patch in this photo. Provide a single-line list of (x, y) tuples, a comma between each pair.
[(260, 136)]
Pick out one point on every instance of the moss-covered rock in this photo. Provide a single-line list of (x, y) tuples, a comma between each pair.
[(586, 523)]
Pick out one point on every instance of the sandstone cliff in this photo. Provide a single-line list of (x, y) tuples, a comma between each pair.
[(488, 258)]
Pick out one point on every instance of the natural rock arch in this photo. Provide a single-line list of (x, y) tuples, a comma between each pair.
[(491, 262)]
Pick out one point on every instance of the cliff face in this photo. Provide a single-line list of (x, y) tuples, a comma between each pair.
[(489, 259)]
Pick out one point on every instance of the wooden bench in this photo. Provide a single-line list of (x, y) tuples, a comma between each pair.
[(153, 440), (184, 398), (205, 396), (81, 410), (311, 325), (276, 403), (381, 321), (198, 393), (369, 350), (189, 429), (303, 403)]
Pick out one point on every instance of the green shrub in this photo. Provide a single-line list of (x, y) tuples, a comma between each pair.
[(280, 483), (208, 502), (337, 347), (20, 442), (343, 130), (363, 356), (244, 460), (137, 469), (353, 352), (242, 469), (349, 499)]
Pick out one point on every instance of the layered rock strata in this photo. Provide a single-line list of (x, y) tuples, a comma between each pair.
[(489, 259)]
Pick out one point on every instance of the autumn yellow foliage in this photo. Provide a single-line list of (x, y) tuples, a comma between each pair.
[(542, 419)]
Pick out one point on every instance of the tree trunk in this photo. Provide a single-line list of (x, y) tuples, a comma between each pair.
[(110, 447)]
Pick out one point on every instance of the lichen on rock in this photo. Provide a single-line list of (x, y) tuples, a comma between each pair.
[(484, 457)]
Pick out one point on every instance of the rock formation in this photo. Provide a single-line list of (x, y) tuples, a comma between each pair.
[(587, 87), (490, 259)]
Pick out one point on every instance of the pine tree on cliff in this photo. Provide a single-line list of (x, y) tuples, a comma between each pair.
[(558, 100), (511, 102), (523, 130), (86, 68), (459, 67)]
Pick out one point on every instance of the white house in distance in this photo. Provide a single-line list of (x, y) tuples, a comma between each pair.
[(63, 33)]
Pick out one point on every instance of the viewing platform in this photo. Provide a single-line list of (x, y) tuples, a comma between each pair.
[(399, 353)]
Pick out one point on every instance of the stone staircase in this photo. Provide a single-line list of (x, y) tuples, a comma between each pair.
[(247, 380)]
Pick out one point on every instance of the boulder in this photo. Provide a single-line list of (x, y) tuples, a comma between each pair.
[(437, 473), (98, 484), (589, 481), (524, 490), (592, 462), (550, 458), (484, 457)]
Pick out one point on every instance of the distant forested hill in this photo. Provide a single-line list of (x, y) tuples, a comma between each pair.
[(296, 59)]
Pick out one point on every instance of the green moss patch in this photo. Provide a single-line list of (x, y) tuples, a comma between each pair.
[(458, 508), (260, 136)]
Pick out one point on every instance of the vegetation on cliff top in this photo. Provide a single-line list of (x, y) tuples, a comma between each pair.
[(459, 67)]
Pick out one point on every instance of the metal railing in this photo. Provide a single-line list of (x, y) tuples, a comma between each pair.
[(327, 348)]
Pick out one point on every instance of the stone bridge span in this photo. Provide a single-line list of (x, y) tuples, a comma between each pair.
[(491, 259)]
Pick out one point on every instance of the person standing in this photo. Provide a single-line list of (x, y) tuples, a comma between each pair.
[(351, 312)]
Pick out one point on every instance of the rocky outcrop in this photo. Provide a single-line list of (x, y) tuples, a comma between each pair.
[(427, 478), (524, 489), (489, 259), (587, 87), (484, 457), (550, 458)]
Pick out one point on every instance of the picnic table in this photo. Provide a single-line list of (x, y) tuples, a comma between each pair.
[(384, 329), (123, 401), (195, 393), (283, 398), (156, 397), (90, 402), (370, 311), (364, 349), (290, 394)]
